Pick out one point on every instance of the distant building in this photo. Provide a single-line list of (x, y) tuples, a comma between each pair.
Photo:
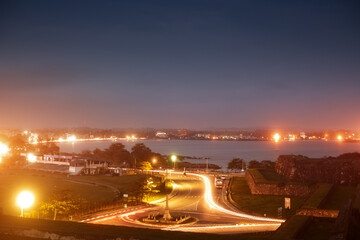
[(302, 135), (70, 165), (33, 138), (182, 132), (203, 135), (161, 135)]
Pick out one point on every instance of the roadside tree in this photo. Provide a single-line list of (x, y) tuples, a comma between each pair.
[(254, 164), (236, 164), (62, 203)]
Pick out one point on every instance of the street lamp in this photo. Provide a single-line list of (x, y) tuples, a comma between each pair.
[(276, 137), (3, 150), (173, 158), (31, 157), (24, 200)]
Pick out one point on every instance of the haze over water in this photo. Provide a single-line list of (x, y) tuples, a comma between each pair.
[(221, 152)]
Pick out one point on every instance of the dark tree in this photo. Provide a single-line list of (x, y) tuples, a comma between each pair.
[(254, 164), (17, 141), (49, 148), (142, 153), (98, 153), (86, 153), (118, 154), (236, 164), (267, 164), (63, 203)]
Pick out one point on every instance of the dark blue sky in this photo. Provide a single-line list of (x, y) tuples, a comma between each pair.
[(183, 64)]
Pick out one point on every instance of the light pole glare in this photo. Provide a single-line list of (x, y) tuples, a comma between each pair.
[(31, 157), (24, 200), (173, 159), (276, 137), (3, 148)]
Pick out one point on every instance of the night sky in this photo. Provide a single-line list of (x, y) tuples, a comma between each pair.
[(180, 64)]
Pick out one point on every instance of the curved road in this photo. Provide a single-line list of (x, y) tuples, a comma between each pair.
[(193, 195)]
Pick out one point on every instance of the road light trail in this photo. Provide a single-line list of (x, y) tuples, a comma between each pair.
[(172, 194), (129, 216), (209, 199), (224, 227)]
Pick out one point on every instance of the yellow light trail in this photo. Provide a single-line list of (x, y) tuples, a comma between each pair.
[(210, 201), (208, 198), (174, 185), (222, 227)]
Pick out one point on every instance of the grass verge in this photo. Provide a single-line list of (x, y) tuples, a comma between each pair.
[(42, 185), (337, 196), (318, 197), (291, 227), (260, 204)]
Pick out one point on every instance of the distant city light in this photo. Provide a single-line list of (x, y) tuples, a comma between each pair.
[(71, 138), (132, 137), (339, 137), (31, 157), (292, 137), (34, 138), (154, 160), (24, 200), (276, 137)]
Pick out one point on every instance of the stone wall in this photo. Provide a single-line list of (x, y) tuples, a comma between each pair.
[(344, 169), (318, 213), (276, 189)]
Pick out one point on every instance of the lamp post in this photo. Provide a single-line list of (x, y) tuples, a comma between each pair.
[(166, 215), (24, 200), (173, 158), (3, 150), (31, 157)]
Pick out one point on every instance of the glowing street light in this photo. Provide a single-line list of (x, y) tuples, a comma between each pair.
[(339, 137), (173, 158), (31, 157), (154, 160), (24, 200), (3, 149), (276, 137)]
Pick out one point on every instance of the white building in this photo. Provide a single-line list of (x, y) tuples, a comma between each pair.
[(71, 165), (302, 135), (161, 135)]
